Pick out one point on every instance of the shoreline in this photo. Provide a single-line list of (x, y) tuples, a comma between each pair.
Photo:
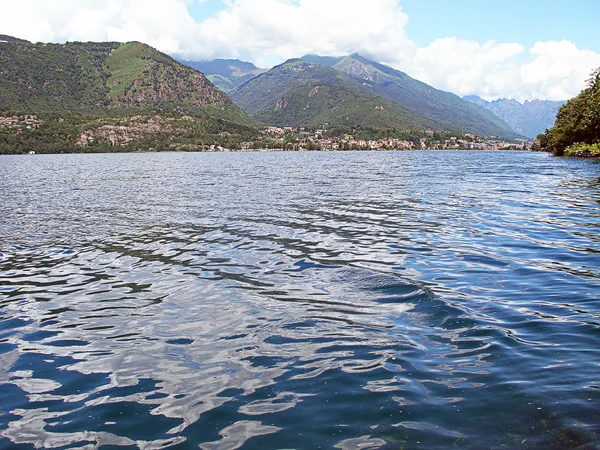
[(280, 150)]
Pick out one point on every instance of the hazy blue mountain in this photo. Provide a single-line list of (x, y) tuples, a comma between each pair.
[(328, 61), (5, 38), (476, 99), (436, 105), (529, 119), (298, 93), (226, 74)]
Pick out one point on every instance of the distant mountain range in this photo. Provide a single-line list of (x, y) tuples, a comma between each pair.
[(105, 78), (529, 119), (226, 74), (353, 90)]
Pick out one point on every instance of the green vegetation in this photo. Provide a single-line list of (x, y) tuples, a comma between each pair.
[(583, 150), (448, 110), (301, 94), (76, 133), (350, 89), (223, 83), (110, 97), (336, 105), (577, 128), (106, 79)]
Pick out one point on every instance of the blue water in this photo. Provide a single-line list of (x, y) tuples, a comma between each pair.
[(300, 300)]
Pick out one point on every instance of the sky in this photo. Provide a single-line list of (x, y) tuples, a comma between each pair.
[(521, 49)]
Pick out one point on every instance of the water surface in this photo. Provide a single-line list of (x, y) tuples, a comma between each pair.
[(300, 300)]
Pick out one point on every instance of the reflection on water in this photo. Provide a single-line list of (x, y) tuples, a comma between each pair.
[(341, 300)]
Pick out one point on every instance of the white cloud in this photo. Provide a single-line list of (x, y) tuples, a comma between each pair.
[(253, 29), (548, 70), (271, 31)]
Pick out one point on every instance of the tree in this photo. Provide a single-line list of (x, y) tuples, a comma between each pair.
[(577, 121)]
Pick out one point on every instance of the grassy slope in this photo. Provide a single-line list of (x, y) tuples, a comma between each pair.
[(221, 82)]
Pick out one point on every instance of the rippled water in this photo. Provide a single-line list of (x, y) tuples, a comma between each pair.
[(300, 300)]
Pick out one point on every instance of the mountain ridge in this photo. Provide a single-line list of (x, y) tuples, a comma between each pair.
[(226, 74), (529, 118), (423, 99)]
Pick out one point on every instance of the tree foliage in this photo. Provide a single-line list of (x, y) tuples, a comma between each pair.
[(577, 122)]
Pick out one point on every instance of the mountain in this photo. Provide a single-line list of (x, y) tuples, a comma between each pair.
[(444, 108), (226, 74), (106, 78), (4, 39), (529, 119), (476, 99), (298, 93), (328, 61)]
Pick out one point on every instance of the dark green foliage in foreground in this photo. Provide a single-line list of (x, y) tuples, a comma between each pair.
[(577, 128)]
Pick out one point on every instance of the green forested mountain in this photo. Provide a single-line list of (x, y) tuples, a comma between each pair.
[(576, 131), (85, 97), (529, 118), (439, 106), (298, 93), (355, 85), (105, 78), (226, 74), (339, 105)]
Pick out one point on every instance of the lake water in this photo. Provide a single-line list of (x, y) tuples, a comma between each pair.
[(300, 300)]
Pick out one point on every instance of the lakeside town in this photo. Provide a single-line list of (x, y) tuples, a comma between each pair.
[(124, 131), (296, 139)]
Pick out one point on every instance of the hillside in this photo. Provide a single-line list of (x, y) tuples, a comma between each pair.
[(529, 118), (226, 74), (441, 107), (298, 93), (106, 79)]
